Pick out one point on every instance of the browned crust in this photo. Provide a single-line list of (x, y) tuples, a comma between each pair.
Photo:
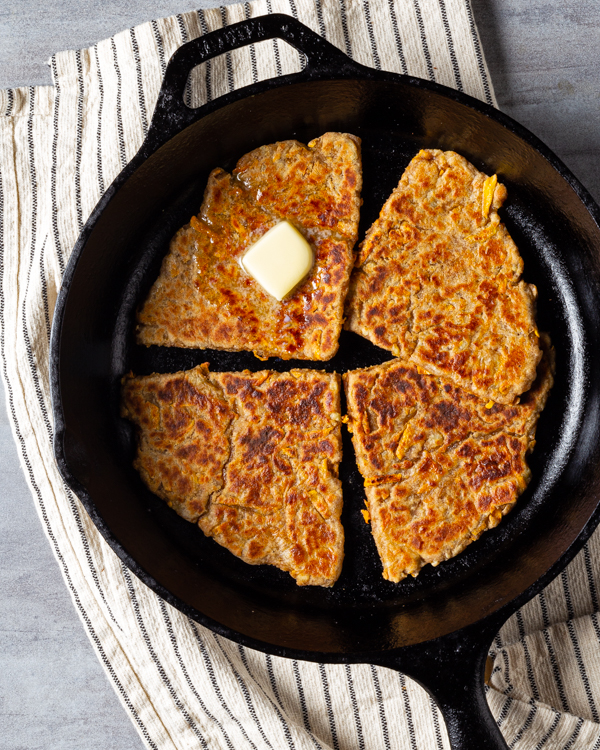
[(183, 423), (251, 457), (438, 282), (204, 299), (440, 465)]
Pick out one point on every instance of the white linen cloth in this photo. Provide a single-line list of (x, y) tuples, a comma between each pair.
[(183, 687)]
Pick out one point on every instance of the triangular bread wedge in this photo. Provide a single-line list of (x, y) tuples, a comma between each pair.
[(438, 281), (440, 465), (251, 457), (203, 297)]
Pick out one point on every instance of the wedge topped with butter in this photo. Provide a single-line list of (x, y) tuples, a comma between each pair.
[(211, 295)]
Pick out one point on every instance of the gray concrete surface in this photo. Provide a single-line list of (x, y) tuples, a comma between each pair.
[(544, 58), (545, 64)]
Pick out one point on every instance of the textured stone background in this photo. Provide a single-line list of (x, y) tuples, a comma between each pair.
[(544, 57)]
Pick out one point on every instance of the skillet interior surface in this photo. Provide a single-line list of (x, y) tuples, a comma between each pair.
[(560, 242)]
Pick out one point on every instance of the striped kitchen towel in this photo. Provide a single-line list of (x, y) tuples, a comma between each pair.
[(183, 686)]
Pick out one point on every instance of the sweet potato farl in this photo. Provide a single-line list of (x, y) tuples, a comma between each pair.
[(203, 298)]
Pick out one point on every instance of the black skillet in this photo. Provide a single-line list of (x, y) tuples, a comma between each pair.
[(436, 628)]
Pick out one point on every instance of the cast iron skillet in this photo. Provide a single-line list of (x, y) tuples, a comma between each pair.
[(438, 627)]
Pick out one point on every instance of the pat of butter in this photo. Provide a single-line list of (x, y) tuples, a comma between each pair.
[(279, 260)]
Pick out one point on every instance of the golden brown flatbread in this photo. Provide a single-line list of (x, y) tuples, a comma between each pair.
[(440, 465), (203, 298), (251, 457), (438, 281)]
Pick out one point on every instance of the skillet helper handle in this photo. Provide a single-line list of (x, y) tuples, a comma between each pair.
[(452, 670), (322, 59)]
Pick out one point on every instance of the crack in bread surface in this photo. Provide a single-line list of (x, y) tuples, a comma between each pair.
[(274, 495), (439, 283), (440, 465)]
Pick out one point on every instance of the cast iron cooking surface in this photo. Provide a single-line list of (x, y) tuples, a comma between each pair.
[(385, 155), (555, 226)]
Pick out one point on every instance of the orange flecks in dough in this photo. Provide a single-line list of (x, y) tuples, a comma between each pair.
[(489, 186)]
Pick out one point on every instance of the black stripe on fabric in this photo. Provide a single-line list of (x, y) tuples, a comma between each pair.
[(424, 44), (187, 94), (596, 625), (33, 177), (355, 709), (568, 601), (530, 674), (526, 726), (330, 714), (408, 712), (38, 494), (160, 46), (275, 45), (590, 576), (509, 686), (504, 712), (380, 708), (575, 734), (550, 731), (11, 102), (436, 723), (555, 670), (211, 673), (479, 55), (247, 15), (280, 716), (246, 694), (576, 648), (122, 152), (374, 52), (508, 689), (182, 30), (173, 639), (301, 695), (397, 37), (99, 129), (44, 283), (53, 169), (157, 663), (344, 15), (596, 744), (450, 41), (140, 82), (272, 680), (553, 661), (78, 141), (321, 20), (583, 672), (228, 62), (204, 27)]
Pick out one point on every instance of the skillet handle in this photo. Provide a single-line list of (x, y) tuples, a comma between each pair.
[(323, 59), (451, 669)]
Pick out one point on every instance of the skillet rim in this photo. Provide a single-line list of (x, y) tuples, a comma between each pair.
[(152, 143)]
